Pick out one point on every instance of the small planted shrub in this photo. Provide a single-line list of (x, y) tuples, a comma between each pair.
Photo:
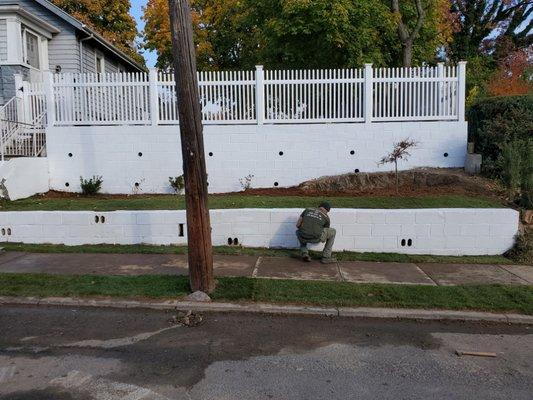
[(177, 183), (90, 187), (399, 152), (246, 182), (516, 165), (495, 122)]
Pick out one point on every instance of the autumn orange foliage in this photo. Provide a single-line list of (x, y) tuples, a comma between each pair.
[(513, 76)]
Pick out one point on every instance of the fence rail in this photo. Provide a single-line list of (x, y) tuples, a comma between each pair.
[(261, 97)]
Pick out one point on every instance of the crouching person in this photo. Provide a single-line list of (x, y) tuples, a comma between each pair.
[(314, 227)]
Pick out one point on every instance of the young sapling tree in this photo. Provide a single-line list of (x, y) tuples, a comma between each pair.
[(399, 152)]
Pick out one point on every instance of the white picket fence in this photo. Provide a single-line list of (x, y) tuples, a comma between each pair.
[(261, 97)]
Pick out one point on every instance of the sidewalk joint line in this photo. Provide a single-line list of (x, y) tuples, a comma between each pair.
[(343, 279), (255, 271), (426, 274), (502, 267), (13, 259)]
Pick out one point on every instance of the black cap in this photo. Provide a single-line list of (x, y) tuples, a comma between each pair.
[(325, 205)]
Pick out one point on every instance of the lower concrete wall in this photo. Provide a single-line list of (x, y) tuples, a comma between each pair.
[(23, 177), (140, 159), (416, 231)]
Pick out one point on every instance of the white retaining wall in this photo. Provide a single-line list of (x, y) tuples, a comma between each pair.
[(430, 231), (140, 159), (24, 176)]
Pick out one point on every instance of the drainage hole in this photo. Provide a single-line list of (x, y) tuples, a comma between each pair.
[(409, 243), (352, 152), (280, 153), (276, 184), (445, 154), (102, 219), (403, 242), (140, 154), (3, 232), (356, 170), (96, 218), (230, 241), (67, 184), (181, 233), (136, 184), (210, 154), (8, 231), (70, 154), (235, 241)]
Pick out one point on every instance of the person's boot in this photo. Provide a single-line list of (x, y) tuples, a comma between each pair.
[(328, 260), (305, 257)]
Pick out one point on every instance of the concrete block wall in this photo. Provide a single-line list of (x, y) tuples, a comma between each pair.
[(23, 177), (414, 231), (140, 159)]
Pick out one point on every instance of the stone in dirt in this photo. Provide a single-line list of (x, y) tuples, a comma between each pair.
[(198, 296)]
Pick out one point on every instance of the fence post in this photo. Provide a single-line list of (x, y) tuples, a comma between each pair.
[(154, 96), (461, 90), (368, 93), (440, 75), (260, 94), (48, 84)]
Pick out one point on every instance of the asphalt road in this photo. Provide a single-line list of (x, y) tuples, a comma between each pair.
[(64, 353)]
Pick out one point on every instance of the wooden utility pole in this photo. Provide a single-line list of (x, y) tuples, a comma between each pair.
[(192, 148)]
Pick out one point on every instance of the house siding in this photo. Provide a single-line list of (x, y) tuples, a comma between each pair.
[(3, 40), (63, 48)]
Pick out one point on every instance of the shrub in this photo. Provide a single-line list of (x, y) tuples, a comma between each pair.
[(177, 183), (246, 182), (526, 181), (496, 121), (90, 187)]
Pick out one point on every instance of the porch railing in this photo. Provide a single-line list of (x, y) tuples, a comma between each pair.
[(262, 97)]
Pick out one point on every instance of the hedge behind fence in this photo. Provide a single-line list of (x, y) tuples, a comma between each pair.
[(495, 122)]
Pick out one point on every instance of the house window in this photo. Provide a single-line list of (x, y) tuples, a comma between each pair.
[(100, 64), (31, 49)]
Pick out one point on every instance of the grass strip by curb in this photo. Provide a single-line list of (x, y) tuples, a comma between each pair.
[(482, 298), (248, 251), (174, 202)]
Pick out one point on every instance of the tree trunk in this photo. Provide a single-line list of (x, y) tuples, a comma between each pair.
[(192, 148), (397, 178), (407, 54)]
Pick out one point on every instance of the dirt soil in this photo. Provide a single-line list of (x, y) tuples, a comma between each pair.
[(414, 183), (418, 182)]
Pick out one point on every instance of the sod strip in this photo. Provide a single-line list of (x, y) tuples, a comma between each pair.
[(483, 298), (248, 251)]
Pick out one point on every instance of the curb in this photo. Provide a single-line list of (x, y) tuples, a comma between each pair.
[(266, 308)]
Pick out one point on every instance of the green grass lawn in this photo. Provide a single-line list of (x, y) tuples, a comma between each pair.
[(173, 202), (231, 250), (484, 298)]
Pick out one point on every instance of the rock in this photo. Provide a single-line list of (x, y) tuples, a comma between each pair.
[(198, 296)]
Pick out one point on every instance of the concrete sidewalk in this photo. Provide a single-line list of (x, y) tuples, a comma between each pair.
[(268, 267)]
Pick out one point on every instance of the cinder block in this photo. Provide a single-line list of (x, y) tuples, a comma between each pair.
[(356, 230), (400, 217), (503, 230), (429, 216), (368, 243), (77, 218), (386, 230), (371, 216), (475, 230)]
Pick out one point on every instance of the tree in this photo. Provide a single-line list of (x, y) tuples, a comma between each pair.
[(238, 34), (407, 37), (111, 19), (192, 148), (513, 75), (399, 152), (484, 22)]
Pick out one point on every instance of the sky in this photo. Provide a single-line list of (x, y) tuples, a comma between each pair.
[(136, 11)]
